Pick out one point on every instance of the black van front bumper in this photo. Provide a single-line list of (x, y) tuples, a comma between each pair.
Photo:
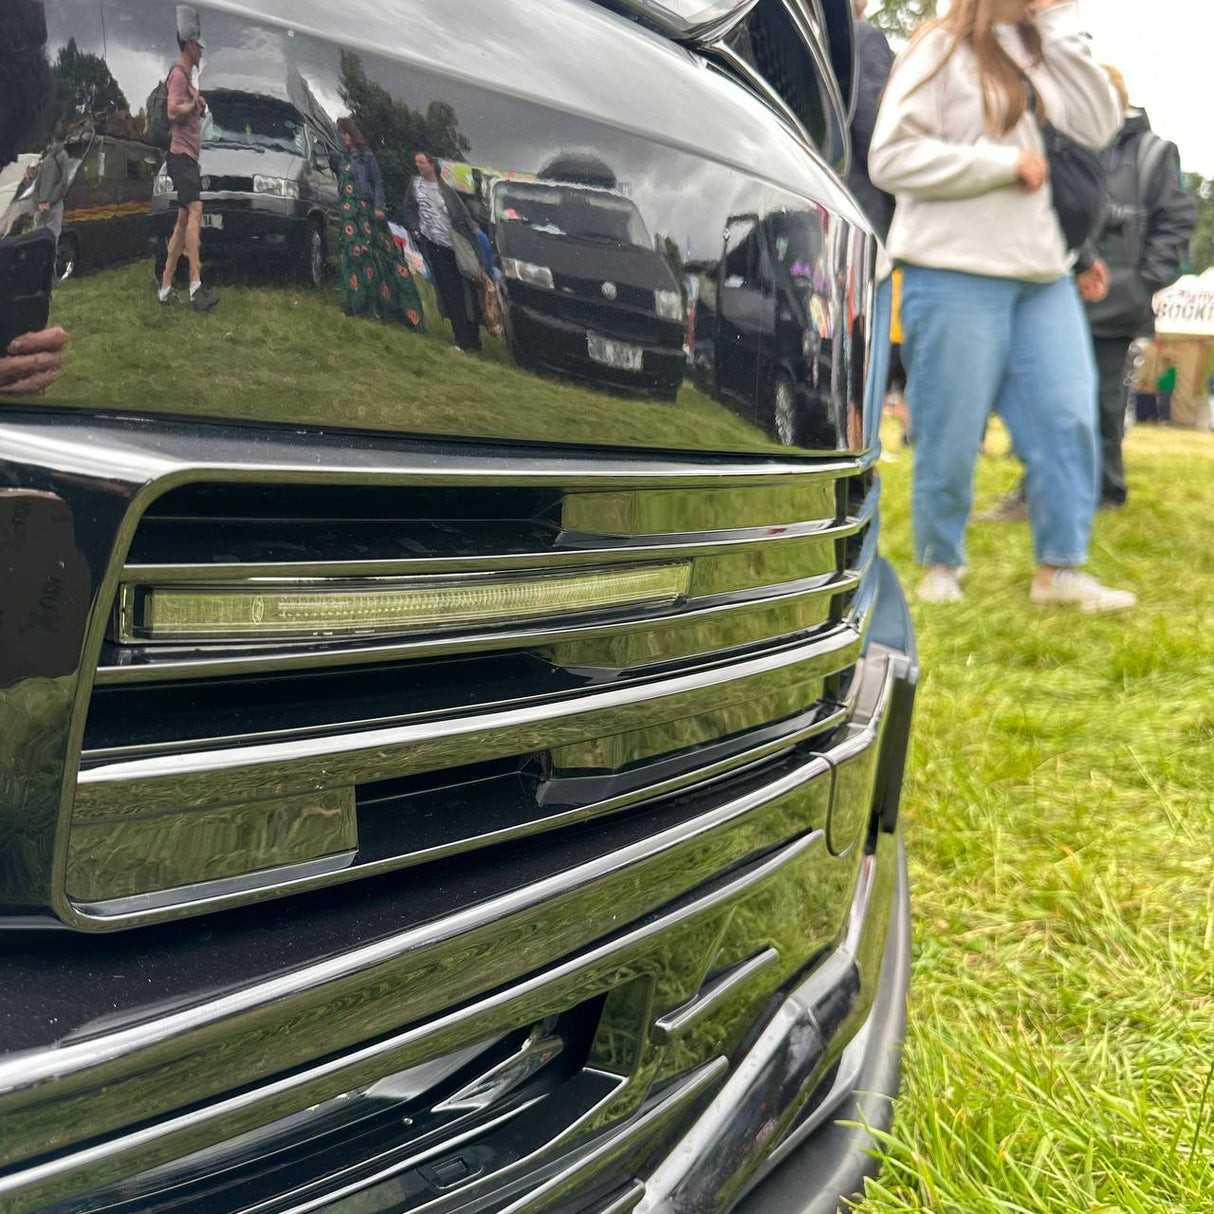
[(666, 1066)]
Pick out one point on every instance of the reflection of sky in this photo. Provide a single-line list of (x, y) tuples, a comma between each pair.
[(474, 56)]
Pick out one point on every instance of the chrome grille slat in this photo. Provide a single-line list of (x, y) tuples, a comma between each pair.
[(694, 673), (304, 656), (573, 550), (287, 767)]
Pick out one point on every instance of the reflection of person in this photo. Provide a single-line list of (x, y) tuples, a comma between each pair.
[(34, 361), (990, 312), (437, 218), (186, 107), (490, 301), (375, 280), (50, 187)]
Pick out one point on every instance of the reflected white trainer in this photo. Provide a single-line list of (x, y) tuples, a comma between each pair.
[(941, 586), (1074, 588)]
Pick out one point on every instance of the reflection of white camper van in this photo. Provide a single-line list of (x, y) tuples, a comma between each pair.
[(269, 192)]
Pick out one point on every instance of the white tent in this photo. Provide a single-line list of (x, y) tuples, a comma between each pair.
[(1186, 309)]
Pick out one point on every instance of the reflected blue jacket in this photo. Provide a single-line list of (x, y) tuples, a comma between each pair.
[(368, 180)]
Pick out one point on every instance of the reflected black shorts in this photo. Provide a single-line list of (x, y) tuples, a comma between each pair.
[(187, 181)]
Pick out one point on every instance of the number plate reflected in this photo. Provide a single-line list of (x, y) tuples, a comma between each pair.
[(212, 221), (618, 354)]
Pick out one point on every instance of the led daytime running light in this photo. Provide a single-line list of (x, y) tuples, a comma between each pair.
[(277, 609)]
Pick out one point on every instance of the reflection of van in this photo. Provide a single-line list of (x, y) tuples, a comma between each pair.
[(765, 319), (269, 191), (105, 211), (585, 292)]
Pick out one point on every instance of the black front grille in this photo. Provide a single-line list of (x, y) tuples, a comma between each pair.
[(214, 770), (227, 185)]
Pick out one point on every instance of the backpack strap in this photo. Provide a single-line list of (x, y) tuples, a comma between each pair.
[(1151, 151)]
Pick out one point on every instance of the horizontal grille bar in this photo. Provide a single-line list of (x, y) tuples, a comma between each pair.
[(292, 767)]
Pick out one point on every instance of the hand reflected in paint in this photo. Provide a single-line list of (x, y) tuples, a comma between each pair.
[(33, 363)]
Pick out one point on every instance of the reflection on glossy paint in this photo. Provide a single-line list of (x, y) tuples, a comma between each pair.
[(623, 289)]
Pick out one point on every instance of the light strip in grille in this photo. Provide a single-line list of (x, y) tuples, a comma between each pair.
[(276, 609)]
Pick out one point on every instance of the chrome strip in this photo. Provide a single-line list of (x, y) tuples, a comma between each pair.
[(25, 1079), (626, 1201), (152, 457), (674, 1024), (222, 776), (349, 654), (576, 549), (279, 882), (682, 1092)]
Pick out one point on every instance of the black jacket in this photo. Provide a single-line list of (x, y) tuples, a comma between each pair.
[(1144, 240), (874, 62), (457, 212)]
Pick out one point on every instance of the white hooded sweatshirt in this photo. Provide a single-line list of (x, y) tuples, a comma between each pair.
[(960, 205)]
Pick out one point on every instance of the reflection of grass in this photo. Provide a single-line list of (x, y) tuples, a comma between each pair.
[(280, 352), (1060, 824)]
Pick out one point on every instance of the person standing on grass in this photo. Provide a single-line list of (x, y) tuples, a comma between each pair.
[(50, 187), (375, 280), (1165, 389), (186, 106), (436, 218), (874, 62), (1144, 239), (990, 312)]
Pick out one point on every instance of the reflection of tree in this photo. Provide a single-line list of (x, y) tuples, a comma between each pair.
[(669, 248), (24, 74), (396, 133), (83, 84)]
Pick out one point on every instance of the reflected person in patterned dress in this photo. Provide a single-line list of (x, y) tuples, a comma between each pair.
[(375, 279)]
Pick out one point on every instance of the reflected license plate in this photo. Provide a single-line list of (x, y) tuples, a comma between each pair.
[(212, 221), (621, 355)]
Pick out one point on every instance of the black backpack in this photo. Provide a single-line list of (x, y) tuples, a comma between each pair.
[(1078, 179), (160, 129)]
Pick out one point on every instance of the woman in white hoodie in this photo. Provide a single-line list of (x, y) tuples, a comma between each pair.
[(990, 313)]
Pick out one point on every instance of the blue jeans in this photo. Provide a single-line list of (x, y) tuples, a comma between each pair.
[(971, 344)]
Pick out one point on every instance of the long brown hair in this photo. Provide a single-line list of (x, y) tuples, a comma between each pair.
[(347, 126), (1005, 100)]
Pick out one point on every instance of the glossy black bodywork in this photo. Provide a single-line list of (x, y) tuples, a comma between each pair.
[(588, 912), (687, 146)]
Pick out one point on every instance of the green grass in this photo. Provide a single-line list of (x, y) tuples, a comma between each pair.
[(1060, 826), (272, 348)]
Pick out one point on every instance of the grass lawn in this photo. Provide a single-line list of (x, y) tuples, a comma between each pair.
[(1060, 826), (272, 348)]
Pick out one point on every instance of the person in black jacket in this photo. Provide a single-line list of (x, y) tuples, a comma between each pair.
[(874, 62), (437, 221), (1144, 241)]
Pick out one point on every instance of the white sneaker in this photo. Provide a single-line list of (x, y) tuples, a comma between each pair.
[(940, 586), (1074, 588)]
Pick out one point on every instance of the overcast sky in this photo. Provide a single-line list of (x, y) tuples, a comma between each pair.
[(1166, 50)]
